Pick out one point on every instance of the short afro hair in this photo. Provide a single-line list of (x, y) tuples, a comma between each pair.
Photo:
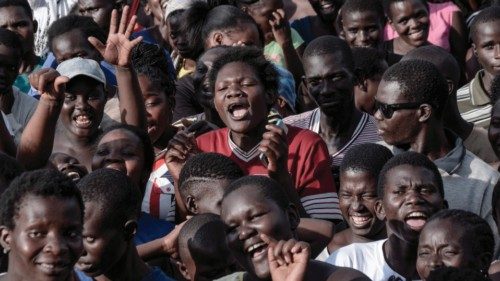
[(9, 169), (495, 90), (368, 62), (12, 40), (388, 3), (205, 167), (117, 197), (147, 146), (149, 60), (18, 3), (329, 44), (253, 57), (456, 274), (413, 159), (481, 238), (267, 187), (420, 81), (490, 14), (71, 22), (43, 183), (361, 6), (366, 157)]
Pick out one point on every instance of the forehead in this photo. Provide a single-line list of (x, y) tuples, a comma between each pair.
[(440, 231), (268, 6), (486, 30), (234, 70), (34, 208), (361, 17), (95, 3), (400, 8), (120, 136), (15, 13), (359, 178), (389, 92), (61, 157), (405, 174), (324, 64), (243, 199), (69, 42)]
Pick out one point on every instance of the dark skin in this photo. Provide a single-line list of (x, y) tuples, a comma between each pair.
[(254, 220), (86, 98), (68, 165), (110, 253), (99, 10), (411, 196), (15, 18), (362, 29), (9, 63), (486, 46), (328, 10), (331, 84)]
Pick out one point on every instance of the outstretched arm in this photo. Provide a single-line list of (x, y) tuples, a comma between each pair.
[(37, 139), (117, 51)]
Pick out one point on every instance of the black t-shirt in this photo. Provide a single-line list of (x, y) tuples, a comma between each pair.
[(390, 57), (185, 99)]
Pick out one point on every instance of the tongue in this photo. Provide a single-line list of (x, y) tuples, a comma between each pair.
[(240, 112), (416, 223)]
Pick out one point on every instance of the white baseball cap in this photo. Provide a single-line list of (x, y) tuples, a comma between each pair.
[(80, 66)]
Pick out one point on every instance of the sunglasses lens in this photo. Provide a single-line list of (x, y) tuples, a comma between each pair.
[(384, 109)]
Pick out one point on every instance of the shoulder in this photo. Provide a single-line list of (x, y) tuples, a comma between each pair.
[(301, 120), (339, 240), (464, 91), (479, 168)]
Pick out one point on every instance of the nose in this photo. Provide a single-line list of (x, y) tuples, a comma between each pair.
[(56, 245), (413, 197), (435, 261), (497, 51), (356, 205), (235, 91), (81, 103), (363, 36), (245, 232)]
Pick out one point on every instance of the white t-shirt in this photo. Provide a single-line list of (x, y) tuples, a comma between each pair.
[(367, 258)]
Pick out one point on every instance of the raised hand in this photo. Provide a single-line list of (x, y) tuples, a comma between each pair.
[(274, 145), (288, 260), (280, 27), (49, 83), (118, 48)]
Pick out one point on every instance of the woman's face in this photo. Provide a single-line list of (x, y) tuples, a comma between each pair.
[(248, 215), (410, 19), (46, 241), (121, 150), (240, 97)]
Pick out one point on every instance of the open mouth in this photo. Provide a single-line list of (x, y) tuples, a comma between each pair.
[(239, 111), (116, 166), (52, 268), (73, 175), (360, 221), (85, 266), (257, 250), (327, 5), (416, 220), (83, 121)]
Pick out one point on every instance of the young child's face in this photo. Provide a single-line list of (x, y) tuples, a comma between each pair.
[(47, 238), (104, 244), (362, 29), (121, 150), (73, 44), (99, 10), (411, 197), (410, 19), (68, 165), (262, 12), (330, 84), (494, 130), (158, 108), (240, 97), (247, 215), (9, 67), (486, 43), (17, 20), (357, 198), (443, 244), (83, 106), (365, 98), (177, 39), (327, 10)]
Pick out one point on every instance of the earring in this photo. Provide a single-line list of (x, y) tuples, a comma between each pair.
[(6, 250)]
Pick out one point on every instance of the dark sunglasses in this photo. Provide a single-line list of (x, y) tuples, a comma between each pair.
[(388, 109)]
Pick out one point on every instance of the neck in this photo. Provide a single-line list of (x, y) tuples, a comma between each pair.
[(402, 48), (7, 101), (162, 142), (431, 141), (454, 121), (213, 117), (333, 126), (80, 141), (401, 256), (247, 141), (129, 268), (381, 234)]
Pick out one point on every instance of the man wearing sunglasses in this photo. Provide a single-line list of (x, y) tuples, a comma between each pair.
[(410, 102), (329, 67)]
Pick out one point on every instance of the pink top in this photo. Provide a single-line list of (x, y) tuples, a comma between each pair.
[(440, 17)]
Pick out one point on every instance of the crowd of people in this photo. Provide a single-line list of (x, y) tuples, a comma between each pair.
[(246, 140)]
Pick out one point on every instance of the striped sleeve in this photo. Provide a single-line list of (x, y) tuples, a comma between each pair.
[(322, 206)]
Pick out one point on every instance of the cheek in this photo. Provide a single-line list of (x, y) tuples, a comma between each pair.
[(97, 162), (422, 268)]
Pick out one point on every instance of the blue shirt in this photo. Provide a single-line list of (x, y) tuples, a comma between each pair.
[(150, 228)]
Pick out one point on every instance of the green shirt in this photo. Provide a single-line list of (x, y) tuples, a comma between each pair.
[(274, 53)]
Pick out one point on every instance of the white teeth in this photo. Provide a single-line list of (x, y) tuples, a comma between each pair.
[(47, 265), (240, 112), (255, 246), (360, 220), (416, 215)]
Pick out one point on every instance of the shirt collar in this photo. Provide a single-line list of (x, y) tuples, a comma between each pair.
[(452, 161), (478, 94)]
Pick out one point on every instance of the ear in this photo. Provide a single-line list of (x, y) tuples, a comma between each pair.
[(182, 269), (5, 238), (191, 205), (474, 49), (379, 210), (293, 216), (217, 38), (451, 86), (129, 229), (363, 85), (425, 112), (281, 102)]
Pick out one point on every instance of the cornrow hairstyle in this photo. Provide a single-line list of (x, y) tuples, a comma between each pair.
[(42, 183), (366, 157), (201, 19), (12, 40), (490, 14), (420, 81), (361, 6), (368, 62), (206, 167), (267, 187), (71, 22), (481, 236), (329, 44), (116, 196), (413, 159), (18, 3), (253, 57), (388, 3), (149, 60)]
